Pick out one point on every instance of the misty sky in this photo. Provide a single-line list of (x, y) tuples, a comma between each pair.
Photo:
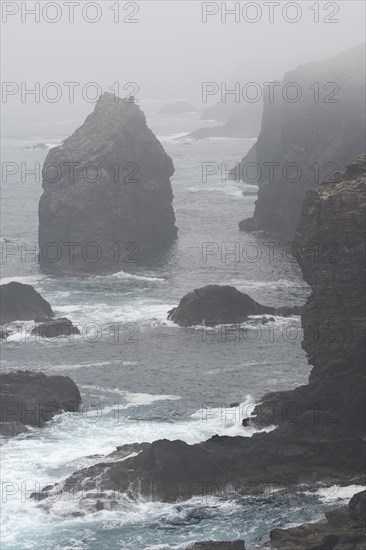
[(170, 51)]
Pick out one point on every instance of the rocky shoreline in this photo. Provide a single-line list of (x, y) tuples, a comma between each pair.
[(313, 441)]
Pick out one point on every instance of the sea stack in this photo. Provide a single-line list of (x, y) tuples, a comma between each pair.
[(107, 199)]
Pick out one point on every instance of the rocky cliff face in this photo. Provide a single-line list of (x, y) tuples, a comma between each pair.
[(320, 433), (107, 200), (310, 129)]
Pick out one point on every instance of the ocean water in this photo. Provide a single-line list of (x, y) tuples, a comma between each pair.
[(141, 377)]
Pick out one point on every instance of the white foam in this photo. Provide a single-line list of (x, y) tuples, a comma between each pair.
[(336, 493)]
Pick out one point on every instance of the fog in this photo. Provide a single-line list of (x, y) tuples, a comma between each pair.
[(163, 47)]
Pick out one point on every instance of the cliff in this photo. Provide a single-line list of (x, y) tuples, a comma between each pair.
[(107, 199), (320, 426), (331, 237), (310, 129)]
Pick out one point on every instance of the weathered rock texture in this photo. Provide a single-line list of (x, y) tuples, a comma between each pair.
[(321, 426), (331, 235), (342, 529), (33, 398), (319, 134), (21, 302), (107, 184), (215, 304)]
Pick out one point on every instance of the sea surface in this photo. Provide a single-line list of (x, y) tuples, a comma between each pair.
[(141, 377)]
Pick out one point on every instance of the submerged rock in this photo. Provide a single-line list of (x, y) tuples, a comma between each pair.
[(307, 140), (21, 302), (33, 398), (107, 198), (55, 327), (215, 304)]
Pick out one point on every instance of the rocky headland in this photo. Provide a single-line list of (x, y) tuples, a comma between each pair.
[(320, 427), (312, 126), (107, 198)]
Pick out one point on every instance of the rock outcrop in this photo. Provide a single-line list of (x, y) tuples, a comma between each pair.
[(33, 398), (342, 529), (107, 199), (331, 234), (214, 304), (21, 302), (321, 433), (312, 126), (54, 328)]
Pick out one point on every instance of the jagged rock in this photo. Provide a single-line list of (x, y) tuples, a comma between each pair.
[(318, 135), (218, 545), (177, 108), (33, 398), (111, 208), (338, 531), (56, 327), (215, 304), (21, 302)]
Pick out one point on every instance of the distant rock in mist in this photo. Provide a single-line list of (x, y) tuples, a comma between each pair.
[(304, 142)]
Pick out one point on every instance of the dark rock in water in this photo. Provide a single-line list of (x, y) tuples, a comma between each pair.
[(177, 108), (33, 398), (55, 327), (107, 199), (11, 429), (4, 334), (309, 139), (21, 302), (215, 304), (339, 531), (218, 545)]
